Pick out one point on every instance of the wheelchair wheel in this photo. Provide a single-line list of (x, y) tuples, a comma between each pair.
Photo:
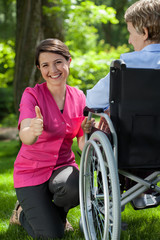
[(99, 190)]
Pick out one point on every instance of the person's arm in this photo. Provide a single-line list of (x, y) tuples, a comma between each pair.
[(86, 126), (31, 128), (98, 96)]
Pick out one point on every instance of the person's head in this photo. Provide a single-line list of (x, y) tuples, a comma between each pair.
[(53, 59), (52, 45), (143, 22)]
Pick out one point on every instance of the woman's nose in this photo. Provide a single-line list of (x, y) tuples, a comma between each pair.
[(53, 68)]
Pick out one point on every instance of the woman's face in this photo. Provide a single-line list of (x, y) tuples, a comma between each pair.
[(54, 68)]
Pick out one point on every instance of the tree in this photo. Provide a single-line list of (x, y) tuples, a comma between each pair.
[(32, 26), (28, 34)]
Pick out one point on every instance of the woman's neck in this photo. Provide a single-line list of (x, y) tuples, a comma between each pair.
[(59, 94)]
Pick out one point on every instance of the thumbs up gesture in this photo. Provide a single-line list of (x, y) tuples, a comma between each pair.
[(36, 125)]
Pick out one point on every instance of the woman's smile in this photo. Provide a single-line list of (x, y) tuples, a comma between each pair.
[(54, 66), (55, 76)]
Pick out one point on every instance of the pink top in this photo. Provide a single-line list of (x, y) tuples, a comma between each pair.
[(35, 163)]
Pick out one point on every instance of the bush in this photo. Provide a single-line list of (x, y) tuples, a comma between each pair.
[(87, 69), (10, 120), (6, 102)]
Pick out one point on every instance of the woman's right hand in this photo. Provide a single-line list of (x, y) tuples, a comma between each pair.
[(36, 125), (31, 128)]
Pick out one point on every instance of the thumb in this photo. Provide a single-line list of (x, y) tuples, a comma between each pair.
[(38, 112)]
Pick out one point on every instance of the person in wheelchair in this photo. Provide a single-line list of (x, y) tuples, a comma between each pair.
[(143, 24)]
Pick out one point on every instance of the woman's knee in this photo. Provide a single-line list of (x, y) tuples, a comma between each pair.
[(65, 187)]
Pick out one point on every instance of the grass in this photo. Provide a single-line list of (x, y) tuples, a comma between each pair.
[(143, 225)]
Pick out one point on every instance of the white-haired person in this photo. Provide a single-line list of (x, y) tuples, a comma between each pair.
[(143, 24)]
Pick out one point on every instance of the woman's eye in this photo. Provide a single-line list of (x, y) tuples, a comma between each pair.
[(58, 62)]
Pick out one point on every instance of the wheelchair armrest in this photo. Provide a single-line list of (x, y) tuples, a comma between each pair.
[(119, 63), (92, 110)]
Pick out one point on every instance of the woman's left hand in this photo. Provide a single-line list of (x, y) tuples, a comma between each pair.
[(87, 125)]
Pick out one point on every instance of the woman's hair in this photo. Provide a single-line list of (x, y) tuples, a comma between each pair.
[(52, 45), (145, 14)]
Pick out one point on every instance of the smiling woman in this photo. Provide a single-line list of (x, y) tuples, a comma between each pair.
[(46, 176), (55, 70)]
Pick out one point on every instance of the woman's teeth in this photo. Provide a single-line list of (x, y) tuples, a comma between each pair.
[(56, 76)]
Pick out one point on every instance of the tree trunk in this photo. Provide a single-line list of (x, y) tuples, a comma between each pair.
[(28, 34), (32, 27), (52, 24)]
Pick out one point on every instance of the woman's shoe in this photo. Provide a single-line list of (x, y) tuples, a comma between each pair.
[(14, 219), (68, 227)]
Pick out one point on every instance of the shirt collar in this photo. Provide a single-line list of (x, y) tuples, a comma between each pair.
[(152, 47)]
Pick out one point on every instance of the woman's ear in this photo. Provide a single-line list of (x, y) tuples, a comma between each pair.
[(69, 61), (145, 35)]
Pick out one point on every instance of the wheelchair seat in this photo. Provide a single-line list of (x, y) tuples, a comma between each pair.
[(135, 113)]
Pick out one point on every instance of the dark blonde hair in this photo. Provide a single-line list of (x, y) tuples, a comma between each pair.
[(52, 45), (145, 14)]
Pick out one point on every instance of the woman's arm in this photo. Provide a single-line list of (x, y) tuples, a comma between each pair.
[(86, 126), (31, 128)]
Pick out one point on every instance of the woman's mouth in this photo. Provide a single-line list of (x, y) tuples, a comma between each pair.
[(55, 76)]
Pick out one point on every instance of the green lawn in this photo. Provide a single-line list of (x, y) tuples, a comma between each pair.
[(143, 225)]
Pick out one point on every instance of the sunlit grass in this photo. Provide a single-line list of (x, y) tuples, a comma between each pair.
[(142, 225)]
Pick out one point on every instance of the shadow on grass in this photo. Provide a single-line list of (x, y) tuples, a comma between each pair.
[(142, 224)]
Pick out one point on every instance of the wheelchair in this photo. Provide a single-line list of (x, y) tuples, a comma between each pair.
[(133, 143)]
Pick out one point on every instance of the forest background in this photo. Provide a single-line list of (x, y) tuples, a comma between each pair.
[(94, 31)]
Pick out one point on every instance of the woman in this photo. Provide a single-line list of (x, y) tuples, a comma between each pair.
[(46, 176)]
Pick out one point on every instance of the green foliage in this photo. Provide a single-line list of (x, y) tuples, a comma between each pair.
[(10, 120), (7, 62), (80, 26), (6, 103), (87, 69), (7, 19)]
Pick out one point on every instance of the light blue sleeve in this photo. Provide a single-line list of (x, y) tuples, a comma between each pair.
[(98, 96)]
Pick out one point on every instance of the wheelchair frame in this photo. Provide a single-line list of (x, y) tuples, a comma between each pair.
[(100, 197)]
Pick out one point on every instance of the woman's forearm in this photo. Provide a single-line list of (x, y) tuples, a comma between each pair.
[(31, 128), (81, 142)]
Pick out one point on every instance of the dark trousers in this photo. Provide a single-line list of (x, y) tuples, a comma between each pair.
[(45, 206)]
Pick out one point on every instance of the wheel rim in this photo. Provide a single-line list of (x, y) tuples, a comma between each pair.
[(100, 203), (95, 195)]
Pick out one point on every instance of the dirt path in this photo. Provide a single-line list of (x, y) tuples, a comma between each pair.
[(8, 133)]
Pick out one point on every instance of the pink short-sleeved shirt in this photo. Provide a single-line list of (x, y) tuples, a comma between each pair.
[(35, 163)]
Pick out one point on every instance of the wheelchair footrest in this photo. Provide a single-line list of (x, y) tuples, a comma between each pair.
[(146, 201)]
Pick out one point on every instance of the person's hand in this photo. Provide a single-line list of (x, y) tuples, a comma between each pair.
[(103, 125), (36, 125), (87, 125)]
